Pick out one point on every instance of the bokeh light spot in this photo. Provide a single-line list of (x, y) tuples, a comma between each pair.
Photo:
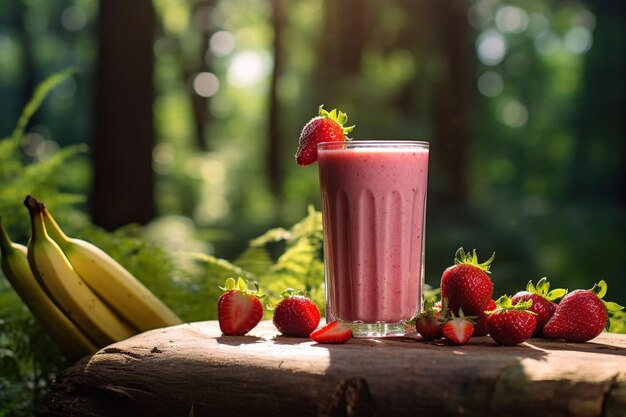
[(247, 68), (511, 19), (513, 113), (578, 40), (490, 84), (206, 84), (547, 43), (491, 47), (221, 43), (538, 24), (74, 18)]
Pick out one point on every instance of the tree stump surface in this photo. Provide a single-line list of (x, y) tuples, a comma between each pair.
[(192, 370)]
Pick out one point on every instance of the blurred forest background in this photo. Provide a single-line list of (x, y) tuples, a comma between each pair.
[(191, 111)]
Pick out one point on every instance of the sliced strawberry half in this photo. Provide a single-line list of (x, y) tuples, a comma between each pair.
[(458, 330), (327, 127), (334, 332), (239, 309)]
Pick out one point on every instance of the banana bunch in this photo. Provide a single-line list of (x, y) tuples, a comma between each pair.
[(81, 296)]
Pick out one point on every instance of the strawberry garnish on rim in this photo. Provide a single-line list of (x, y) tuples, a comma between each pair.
[(327, 127)]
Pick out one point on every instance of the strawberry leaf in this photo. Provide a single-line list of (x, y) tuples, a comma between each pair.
[(599, 289), (612, 307), (505, 303), (556, 293), (460, 257), (543, 289)]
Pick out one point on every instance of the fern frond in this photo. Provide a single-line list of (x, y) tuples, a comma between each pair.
[(41, 92), (255, 260), (220, 267), (273, 235)]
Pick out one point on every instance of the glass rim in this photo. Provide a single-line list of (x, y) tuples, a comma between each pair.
[(366, 143)]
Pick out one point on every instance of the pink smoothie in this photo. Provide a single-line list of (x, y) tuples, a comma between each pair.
[(373, 203)]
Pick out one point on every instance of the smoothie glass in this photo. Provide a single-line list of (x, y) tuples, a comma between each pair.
[(373, 207)]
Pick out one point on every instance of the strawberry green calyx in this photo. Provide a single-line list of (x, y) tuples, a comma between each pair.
[(543, 289), (505, 303), (240, 285), (338, 117), (289, 292), (451, 316), (460, 257), (600, 289)]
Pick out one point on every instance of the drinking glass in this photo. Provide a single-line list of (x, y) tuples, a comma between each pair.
[(373, 206)]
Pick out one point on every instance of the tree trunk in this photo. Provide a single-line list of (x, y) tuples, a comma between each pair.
[(274, 152), (451, 95), (123, 179)]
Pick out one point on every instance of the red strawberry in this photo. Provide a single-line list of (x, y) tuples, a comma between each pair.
[(543, 301), (335, 332), (458, 330), (581, 315), (511, 324), (238, 309), (466, 284), (428, 323), (327, 127), (480, 328), (296, 315)]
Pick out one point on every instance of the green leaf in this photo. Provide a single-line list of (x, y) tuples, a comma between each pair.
[(600, 289), (612, 307), (504, 302), (461, 257), (556, 293)]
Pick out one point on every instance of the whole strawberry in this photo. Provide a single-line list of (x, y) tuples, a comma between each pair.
[(466, 284), (296, 315), (327, 127), (581, 315), (511, 324), (543, 301), (480, 327), (458, 329), (428, 324), (239, 309)]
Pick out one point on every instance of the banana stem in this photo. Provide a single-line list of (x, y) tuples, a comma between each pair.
[(36, 219)]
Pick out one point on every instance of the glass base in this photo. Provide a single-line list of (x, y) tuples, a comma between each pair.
[(378, 329)]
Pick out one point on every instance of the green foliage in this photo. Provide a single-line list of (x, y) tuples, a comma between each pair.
[(618, 322), (276, 260), (18, 177), (29, 359)]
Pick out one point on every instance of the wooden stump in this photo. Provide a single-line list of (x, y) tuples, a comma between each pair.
[(192, 369)]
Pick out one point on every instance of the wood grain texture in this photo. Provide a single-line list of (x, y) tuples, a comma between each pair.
[(168, 371)]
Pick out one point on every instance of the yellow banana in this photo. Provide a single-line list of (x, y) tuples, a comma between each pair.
[(67, 288), (73, 343), (128, 297)]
